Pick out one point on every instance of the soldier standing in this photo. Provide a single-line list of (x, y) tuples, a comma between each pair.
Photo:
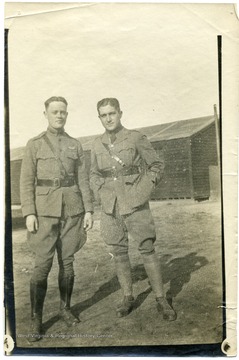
[(124, 170), (56, 202)]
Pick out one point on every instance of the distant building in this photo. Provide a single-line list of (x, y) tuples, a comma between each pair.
[(190, 154)]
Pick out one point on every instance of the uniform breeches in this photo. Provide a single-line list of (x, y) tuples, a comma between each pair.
[(140, 225), (65, 237)]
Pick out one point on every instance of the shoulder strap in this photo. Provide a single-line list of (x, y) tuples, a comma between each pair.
[(53, 151), (113, 155)]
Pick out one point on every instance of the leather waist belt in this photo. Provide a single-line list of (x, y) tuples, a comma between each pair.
[(132, 170), (57, 182)]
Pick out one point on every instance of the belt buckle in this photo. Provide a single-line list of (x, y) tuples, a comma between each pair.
[(57, 182), (68, 182)]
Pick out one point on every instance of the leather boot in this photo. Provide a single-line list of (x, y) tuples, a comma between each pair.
[(168, 312), (152, 268), (126, 306), (123, 270), (37, 296), (66, 284)]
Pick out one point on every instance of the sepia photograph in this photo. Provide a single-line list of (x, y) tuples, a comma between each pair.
[(117, 190)]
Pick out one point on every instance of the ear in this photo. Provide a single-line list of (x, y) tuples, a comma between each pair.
[(45, 114)]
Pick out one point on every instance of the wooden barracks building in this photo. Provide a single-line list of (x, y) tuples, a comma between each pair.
[(190, 153)]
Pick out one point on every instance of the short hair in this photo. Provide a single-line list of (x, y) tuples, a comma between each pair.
[(109, 101), (55, 98)]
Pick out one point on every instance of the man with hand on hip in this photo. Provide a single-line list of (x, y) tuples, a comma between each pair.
[(124, 171)]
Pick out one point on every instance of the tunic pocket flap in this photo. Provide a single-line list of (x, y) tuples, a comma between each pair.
[(126, 150), (42, 190), (45, 153), (131, 179), (72, 154)]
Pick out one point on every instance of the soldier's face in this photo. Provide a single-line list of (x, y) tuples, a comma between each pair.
[(56, 114), (110, 117)]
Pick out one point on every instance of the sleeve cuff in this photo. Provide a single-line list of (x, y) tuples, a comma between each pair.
[(89, 209), (28, 210)]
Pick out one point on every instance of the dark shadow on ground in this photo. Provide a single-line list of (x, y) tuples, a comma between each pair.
[(176, 271)]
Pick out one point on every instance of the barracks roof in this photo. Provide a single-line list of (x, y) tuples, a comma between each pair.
[(167, 131), (160, 132)]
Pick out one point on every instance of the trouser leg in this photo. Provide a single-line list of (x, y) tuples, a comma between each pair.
[(153, 270)]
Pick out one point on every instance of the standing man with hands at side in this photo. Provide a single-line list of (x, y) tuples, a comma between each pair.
[(57, 205), (124, 170)]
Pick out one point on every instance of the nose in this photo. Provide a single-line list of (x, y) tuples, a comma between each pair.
[(108, 118)]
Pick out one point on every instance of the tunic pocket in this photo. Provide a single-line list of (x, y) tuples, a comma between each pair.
[(131, 179), (44, 153), (127, 155), (103, 160), (72, 154), (47, 166)]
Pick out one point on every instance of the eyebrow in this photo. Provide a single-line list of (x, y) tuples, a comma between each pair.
[(111, 112)]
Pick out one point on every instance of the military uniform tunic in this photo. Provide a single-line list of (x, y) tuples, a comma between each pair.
[(124, 198), (39, 163), (60, 209)]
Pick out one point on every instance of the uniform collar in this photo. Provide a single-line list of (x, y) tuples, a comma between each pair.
[(55, 132), (121, 134)]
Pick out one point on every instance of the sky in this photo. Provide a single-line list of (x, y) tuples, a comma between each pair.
[(159, 60)]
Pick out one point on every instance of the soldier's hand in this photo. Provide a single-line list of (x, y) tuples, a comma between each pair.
[(32, 223), (153, 176), (88, 221)]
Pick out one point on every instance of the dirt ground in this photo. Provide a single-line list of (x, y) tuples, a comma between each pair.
[(189, 246)]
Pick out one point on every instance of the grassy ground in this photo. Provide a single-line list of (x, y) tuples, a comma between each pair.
[(189, 246)]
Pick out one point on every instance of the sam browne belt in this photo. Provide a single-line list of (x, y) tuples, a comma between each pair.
[(57, 182), (131, 170)]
